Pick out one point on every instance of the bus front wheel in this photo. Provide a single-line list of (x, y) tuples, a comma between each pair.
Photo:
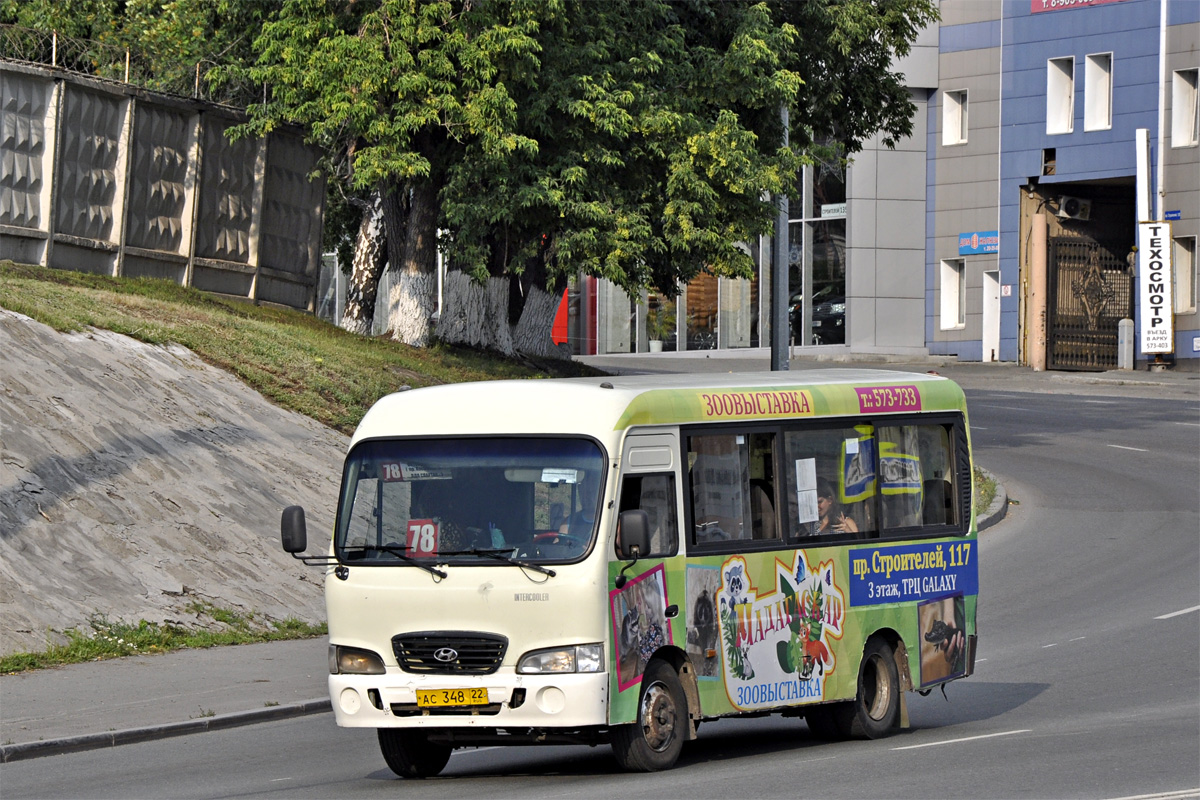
[(654, 740), (410, 755)]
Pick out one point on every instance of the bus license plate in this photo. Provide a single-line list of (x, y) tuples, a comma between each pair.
[(441, 698)]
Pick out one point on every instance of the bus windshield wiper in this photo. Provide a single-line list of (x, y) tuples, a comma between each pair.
[(399, 553), (503, 555)]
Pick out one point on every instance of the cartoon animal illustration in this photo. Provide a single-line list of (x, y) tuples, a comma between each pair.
[(814, 652), (737, 652)]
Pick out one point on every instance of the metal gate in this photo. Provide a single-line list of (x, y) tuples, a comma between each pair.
[(1090, 291)]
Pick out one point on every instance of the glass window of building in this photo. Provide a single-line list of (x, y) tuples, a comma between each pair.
[(954, 117), (954, 294), (1060, 95), (1185, 110), (1097, 92), (817, 255)]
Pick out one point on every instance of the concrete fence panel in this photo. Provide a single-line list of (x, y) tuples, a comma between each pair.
[(100, 176)]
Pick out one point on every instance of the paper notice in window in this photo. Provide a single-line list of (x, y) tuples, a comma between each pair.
[(806, 490)]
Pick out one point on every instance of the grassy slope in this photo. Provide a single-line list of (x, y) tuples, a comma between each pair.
[(296, 360)]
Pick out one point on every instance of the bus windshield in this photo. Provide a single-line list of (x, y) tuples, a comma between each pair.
[(483, 501)]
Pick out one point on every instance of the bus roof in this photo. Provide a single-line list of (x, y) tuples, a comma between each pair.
[(601, 405)]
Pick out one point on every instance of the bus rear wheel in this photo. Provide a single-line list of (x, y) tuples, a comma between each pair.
[(654, 740), (410, 754), (875, 711)]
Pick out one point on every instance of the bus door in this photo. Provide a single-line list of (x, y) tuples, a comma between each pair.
[(646, 602)]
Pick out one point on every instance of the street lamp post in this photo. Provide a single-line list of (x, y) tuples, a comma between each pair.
[(779, 272)]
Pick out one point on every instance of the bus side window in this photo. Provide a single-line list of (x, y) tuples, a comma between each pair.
[(916, 476), (654, 494), (719, 478), (732, 479), (830, 482)]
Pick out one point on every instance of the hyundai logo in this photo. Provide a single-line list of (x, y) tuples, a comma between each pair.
[(445, 654)]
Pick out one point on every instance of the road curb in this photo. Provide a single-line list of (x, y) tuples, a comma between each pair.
[(998, 507), (95, 741)]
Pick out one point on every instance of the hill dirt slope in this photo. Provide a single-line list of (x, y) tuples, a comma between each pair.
[(136, 481)]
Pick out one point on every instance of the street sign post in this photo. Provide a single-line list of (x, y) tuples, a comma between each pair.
[(1156, 308)]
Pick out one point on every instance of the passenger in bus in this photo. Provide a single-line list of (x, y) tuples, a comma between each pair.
[(831, 516), (580, 523)]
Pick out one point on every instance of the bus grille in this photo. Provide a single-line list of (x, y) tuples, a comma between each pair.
[(449, 652)]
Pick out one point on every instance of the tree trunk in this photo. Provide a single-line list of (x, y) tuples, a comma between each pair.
[(475, 314), (370, 257), (413, 300), (531, 334)]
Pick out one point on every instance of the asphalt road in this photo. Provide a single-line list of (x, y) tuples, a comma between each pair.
[(1088, 681)]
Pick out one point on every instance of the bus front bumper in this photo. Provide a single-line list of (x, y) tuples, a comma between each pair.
[(567, 701)]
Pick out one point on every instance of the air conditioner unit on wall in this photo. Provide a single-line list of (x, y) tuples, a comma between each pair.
[(1074, 208)]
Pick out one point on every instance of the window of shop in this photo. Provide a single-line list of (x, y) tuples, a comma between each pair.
[(703, 303), (817, 256)]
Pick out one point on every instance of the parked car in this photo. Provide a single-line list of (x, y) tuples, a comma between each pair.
[(828, 316), (829, 321)]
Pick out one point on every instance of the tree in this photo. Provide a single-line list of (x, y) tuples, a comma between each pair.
[(399, 86)]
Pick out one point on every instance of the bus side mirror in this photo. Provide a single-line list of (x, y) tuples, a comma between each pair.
[(633, 535), (292, 530)]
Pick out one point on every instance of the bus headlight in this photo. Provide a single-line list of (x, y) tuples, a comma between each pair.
[(352, 660), (575, 658)]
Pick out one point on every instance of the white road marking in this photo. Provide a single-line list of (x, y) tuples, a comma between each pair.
[(964, 739), (1055, 644), (1179, 795), (1193, 424), (1077, 639), (1123, 447), (1179, 613)]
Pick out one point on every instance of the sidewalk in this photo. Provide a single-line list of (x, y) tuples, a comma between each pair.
[(108, 703)]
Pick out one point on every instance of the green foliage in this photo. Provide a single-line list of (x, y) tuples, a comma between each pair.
[(104, 638), (985, 491)]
